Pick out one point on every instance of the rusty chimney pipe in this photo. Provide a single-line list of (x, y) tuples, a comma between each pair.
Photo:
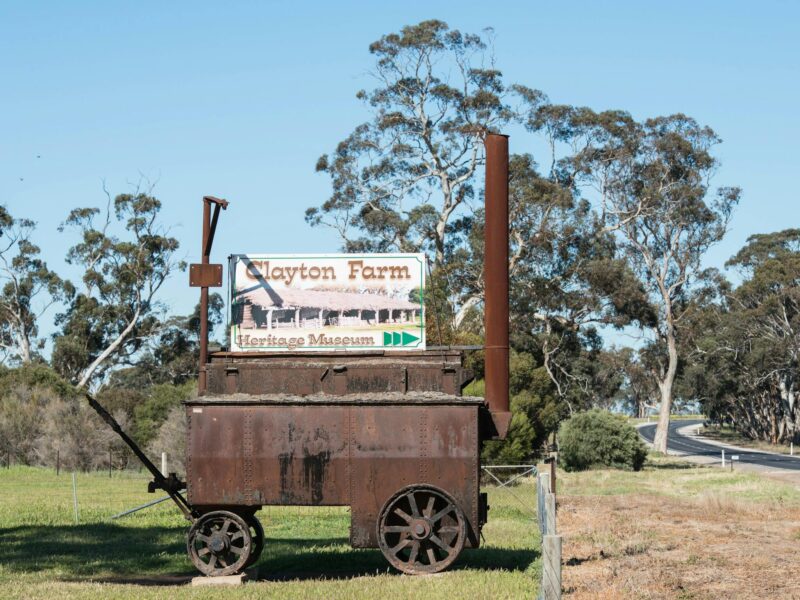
[(496, 280)]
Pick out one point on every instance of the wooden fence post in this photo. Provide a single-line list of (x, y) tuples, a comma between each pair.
[(550, 510), (542, 490), (551, 567)]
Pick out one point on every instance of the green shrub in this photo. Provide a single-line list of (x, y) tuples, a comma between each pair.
[(598, 438)]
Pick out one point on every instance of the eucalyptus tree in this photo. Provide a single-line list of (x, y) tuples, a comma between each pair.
[(567, 277), (28, 289), (767, 309), (639, 390), (401, 177), (126, 255), (746, 366), (652, 184), (171, 356), (565, 283)]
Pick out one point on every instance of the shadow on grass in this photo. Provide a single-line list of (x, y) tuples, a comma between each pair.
[(157, 555), (83, 552)]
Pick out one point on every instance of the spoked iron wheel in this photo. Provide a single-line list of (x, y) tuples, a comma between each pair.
[(219, 543), (421, 530), (257, 536)]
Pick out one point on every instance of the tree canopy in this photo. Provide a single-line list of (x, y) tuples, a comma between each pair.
[(116, 311), (398, 179)]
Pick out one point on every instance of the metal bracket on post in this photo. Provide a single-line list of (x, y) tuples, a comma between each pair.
[(202, 275)]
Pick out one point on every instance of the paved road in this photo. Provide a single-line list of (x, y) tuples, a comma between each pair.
[(696, 447)]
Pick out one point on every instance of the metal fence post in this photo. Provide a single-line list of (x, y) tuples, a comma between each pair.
[(75, 496)]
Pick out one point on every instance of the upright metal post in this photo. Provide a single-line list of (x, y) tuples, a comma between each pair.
[(201, 377), (75, 497), (496, 280), (205, 275)]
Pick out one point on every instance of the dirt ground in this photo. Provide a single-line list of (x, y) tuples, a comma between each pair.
[(698, 547)]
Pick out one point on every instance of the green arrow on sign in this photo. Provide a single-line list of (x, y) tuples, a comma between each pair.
[(408, 338), (398, 339)]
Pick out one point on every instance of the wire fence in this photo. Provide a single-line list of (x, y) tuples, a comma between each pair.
[(510, 487), (523, 490), (101, 495)]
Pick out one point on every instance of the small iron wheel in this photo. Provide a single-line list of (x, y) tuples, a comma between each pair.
[(219, 543), (257, 536), (421, 530)]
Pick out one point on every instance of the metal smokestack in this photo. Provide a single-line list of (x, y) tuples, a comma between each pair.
[(496, 280)]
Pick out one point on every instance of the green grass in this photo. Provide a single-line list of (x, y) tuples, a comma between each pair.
[(665, 476), (475, 388), (45, 554)]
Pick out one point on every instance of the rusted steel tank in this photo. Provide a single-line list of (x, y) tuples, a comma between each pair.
[(387, 433)]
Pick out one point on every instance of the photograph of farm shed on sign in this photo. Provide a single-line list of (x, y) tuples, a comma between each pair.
[(327, 302), (312, 308)]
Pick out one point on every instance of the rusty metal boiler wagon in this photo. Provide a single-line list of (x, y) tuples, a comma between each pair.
[(386, 432)]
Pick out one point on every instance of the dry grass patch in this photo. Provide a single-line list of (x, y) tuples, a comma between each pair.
[(698, 533)]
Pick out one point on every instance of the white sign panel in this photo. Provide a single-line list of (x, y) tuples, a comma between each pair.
[(325, 302)]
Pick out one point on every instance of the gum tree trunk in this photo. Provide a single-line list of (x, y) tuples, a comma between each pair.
[(665, 385)]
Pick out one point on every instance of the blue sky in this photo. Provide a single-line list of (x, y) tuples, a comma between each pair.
[(239, 99)]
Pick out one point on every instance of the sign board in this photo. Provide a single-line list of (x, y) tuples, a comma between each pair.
[(735, 457), (327, 302)]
